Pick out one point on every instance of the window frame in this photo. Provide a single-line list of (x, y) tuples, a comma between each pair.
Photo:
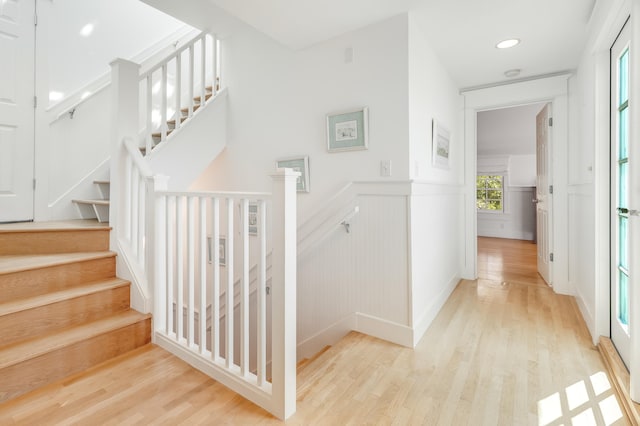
[(503, 192)]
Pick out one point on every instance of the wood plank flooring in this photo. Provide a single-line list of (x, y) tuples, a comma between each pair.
[(504, 350)]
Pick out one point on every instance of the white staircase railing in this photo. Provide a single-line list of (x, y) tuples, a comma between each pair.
[(168, 245), (177, 86)]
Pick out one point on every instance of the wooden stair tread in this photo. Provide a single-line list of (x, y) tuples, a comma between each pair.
[(10, 264), (59, 296), (185, 110), (96, 202), (102, 182), (159, 134), (22, 351)]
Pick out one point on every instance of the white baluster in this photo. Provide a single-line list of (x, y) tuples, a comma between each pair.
[(148, 139), (203, 67), (214, 63), (178, 91), (202, 229), (128, 181), (135, 184), (244, 291), (191, 80), (191, 282), (180, 268), (229, 304), (215, 294), (141, 220), (170, 232), (261, 296), (163, 104)]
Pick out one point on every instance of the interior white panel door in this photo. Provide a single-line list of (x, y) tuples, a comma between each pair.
[(17, 38), (543, 196)]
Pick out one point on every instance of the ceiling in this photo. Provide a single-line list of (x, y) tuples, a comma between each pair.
[(508, 131), (462, 32)]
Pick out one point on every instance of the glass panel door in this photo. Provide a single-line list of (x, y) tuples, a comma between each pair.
[(620, 194)]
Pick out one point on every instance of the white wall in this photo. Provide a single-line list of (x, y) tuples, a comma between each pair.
[(437, 198), (122, 28), (279, 100)]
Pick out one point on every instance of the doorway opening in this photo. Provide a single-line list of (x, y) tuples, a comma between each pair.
[(511, 198)]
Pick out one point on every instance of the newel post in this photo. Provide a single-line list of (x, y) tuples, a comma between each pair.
[(283, 294), (124, 123), (155, 248)]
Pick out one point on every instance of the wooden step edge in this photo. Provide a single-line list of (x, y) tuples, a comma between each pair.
[(34, 302), (619, 377), (157, 135), (173, 122), (102, 182), (185, 110), (43, 227), (96, 202), (20, 263), (33, 348)]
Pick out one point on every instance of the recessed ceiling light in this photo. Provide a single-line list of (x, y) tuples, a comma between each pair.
[(512, 73), (505, 44), (87, 30)]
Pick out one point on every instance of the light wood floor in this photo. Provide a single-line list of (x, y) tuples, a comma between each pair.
[(504, 350)]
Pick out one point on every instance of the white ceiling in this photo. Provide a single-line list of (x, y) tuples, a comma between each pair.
[(462, 32)]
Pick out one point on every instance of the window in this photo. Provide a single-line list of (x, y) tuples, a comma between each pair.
[(490, 193)]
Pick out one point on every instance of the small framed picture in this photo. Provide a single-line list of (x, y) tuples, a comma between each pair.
[(348, 131), (440, 148), (222, 250), (253, 218), (298, 164)]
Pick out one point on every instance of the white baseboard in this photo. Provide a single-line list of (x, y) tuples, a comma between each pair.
[(362, 323), (587, 316), (329, 336), (383, 329), (430, 313)]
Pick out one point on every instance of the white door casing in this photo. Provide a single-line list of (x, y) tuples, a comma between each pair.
[(543, 195), (17, 47), (622, 223)]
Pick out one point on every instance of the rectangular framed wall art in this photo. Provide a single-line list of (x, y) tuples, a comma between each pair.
[(298, 164), (348, 131), (440, 154)]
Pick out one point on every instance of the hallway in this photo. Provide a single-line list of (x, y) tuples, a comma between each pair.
[(504, 350)]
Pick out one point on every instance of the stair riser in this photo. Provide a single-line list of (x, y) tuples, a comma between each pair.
[(20, 285), (30, 323), (50, 242), (33, 373)]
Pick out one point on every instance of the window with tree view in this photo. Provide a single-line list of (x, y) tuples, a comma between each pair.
[(490, 193)]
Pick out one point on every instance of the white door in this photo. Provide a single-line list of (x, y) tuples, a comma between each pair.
[(543, 196), (17, 47), (619, 209)]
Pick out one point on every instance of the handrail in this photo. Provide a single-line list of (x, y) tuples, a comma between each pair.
[(137, 157), (222, 194), (72, 109), (172, 55)]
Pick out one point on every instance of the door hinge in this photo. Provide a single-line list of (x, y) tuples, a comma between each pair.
[(35, 102), (35, 19), (550, 189), (551, 257), (34, 184), (550, 121)]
